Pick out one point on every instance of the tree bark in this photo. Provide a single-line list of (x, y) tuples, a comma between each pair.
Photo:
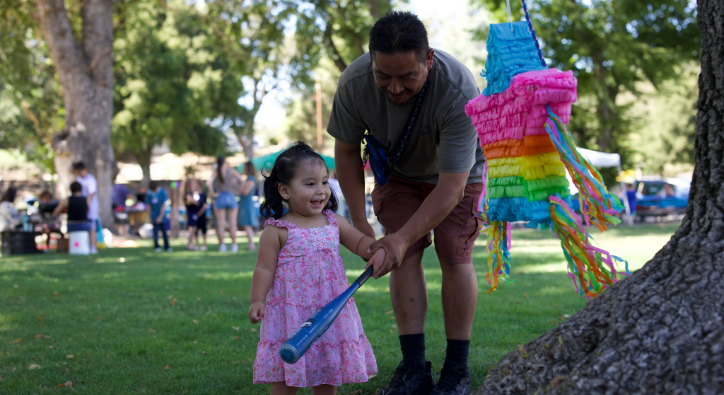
[(144, 160), (659, 331), (85, 70)]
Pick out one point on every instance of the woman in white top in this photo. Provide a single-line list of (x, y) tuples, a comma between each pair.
[(9, 215)]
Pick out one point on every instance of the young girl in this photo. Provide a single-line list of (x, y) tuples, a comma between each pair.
[(298, 271), (196, 213)]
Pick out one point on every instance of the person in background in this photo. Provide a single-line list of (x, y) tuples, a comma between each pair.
[(10, 217), (89, 187), (77, 206), (195, 212), (334, 184), (141, 195), (119, 195), (631, 197), (156, 201), (48, 221), (248, 219), (223, 187)]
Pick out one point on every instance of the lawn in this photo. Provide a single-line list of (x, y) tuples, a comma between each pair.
[(133, 321)]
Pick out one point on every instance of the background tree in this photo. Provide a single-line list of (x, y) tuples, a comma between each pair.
[(82, 52), (660, 330), (611, 46), (31, 106), (250, 34), (663, 137), (170, 82)]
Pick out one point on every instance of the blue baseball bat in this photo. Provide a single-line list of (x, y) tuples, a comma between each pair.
[(319, 322)]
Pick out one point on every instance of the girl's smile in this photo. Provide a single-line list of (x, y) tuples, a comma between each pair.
[(308, 193)]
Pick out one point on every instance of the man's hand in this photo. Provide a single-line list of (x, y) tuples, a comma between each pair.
[(256, 312), (159, 220), (395, 249)]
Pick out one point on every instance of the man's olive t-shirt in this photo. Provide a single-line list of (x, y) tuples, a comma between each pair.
[(443, 139)]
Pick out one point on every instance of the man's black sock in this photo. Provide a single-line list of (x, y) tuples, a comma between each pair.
[(413, 351), (456, 355)]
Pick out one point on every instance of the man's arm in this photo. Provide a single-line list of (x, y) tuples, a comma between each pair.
[(439, 203), (348, 161)]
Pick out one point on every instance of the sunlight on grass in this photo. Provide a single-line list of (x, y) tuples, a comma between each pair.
[(127, 314)]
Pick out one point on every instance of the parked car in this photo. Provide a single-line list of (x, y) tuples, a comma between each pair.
[(661, 197)]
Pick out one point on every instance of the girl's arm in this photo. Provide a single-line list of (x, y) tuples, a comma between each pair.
[(266, 264), (359, 244)]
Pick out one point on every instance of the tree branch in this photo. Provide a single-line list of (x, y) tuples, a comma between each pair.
[(336, 57), (64, 49)]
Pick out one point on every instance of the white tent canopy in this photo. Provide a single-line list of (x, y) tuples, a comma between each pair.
[(601, 159)]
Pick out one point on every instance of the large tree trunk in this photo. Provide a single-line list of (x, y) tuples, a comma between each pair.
[(86, 74), (661, 330)]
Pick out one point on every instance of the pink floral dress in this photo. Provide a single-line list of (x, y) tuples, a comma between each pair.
[(309, 274)]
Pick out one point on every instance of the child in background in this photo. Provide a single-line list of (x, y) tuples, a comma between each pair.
[(195, 212), (156, 201), (298, 271), (89, 187), (77, 206)]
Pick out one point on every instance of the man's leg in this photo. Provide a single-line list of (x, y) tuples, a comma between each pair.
[(459, 299), (454, 242), (408, 292)]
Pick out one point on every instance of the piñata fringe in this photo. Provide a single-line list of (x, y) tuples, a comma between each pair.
[(498, 253), (597, 205), (591, 268)]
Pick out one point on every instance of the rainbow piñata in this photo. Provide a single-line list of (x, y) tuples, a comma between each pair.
[(520, 119)]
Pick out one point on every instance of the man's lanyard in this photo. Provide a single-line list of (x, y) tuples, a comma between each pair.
[(402, 143)]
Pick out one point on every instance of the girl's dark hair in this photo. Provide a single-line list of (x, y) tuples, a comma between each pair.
[(75, 187), (283, 172), (220, 162), (399, 31), (10, 195)]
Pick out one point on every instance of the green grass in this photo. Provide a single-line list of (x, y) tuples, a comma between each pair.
[(112, 313)]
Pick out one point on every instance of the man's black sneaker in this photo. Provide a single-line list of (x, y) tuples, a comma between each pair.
[(453, 382), (410, 382)]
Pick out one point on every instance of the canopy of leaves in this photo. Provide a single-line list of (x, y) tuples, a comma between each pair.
[(611, 46), (31, 107), (170, 81)]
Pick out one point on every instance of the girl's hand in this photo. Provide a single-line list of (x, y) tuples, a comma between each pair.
[(377, 261), (256, 312)]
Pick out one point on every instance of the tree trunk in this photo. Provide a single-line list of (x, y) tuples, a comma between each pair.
[(144, 160), (659, 331), (85, 70)]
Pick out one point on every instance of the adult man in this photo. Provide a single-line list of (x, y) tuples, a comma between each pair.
[(89, 189), (435, 185)]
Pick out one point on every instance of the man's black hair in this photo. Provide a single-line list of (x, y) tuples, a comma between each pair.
[(75, 187), (78, 166), (153, 185), (399, 31)]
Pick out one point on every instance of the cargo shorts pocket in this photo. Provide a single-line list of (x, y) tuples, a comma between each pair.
[(471, 229)]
